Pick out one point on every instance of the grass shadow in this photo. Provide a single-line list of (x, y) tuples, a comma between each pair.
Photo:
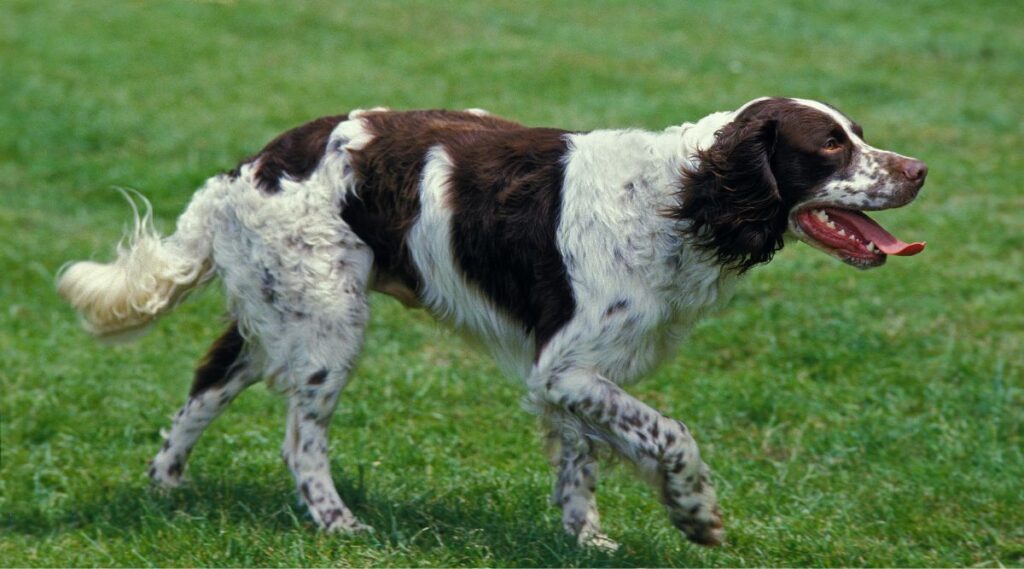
[(505, 524)]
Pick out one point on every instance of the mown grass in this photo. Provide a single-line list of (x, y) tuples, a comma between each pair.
[(851, 418)]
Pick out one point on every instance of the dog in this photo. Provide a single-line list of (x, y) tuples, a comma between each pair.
[(578, 258)]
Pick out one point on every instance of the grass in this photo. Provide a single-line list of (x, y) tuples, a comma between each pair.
[(851, 419)]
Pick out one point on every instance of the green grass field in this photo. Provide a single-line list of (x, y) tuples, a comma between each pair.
[(851, 418)]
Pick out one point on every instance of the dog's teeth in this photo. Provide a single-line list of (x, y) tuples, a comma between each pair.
[(841, 232), (872, 247), (820, 214)]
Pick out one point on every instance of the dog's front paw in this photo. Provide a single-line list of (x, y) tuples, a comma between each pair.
[(164, 473), (693, 506), (700, 527)]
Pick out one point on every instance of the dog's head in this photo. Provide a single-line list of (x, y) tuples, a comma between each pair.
[(799, 166)]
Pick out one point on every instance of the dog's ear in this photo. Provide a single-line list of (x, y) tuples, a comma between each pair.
[(731, 197)]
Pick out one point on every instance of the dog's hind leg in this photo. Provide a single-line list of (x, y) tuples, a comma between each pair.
[(305, 449), (576, 484), (224, 373), (310, 310), (323, 353)]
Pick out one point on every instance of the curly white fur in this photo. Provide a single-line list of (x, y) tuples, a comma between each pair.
[(148, 276)]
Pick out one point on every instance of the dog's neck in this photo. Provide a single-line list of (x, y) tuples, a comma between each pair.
[(699, 135)]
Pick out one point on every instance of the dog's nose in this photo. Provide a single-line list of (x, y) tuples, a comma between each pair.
[(915, 170)]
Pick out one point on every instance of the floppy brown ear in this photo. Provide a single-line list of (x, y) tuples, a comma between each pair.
[(732, 199)]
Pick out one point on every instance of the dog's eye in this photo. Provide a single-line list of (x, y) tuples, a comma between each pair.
[(831, 145)]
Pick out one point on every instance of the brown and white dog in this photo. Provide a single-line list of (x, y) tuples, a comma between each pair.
[(579, 258)]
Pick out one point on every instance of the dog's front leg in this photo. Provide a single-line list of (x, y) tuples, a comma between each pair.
[(660, 446), (572, 452)]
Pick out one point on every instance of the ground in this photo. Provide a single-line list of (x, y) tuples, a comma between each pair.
[(851, 418)]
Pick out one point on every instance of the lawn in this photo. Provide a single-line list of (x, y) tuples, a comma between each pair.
[(851, 418)]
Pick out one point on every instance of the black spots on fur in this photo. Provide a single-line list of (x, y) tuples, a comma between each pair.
[(330, 516), (294, 154), (633, 419), (304, 490), (222, 357), (328, 397), (575, 519), (616, 307), (174, 470), (318, 378), (561, 368), (506, 197), (268, 285), (682, 426)]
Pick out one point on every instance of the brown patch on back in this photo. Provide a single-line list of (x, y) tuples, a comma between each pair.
[(219, 360), (295, 153), (389, 168), (507, 201)]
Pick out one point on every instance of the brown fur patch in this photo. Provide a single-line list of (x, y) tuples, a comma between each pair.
[(295, 153), (216, 366)]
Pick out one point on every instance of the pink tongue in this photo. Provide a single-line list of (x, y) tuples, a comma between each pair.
[(873, 232)]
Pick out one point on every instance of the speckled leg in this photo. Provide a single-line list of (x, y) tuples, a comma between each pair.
[(305, 450), (576, 484), (660, 447), (323, 352), (217, 384)]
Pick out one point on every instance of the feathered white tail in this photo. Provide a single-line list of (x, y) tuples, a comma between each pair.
[(151, 273)]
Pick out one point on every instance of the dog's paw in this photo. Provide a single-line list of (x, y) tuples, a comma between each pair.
[(701, 527), (351, 528), (165, 477)]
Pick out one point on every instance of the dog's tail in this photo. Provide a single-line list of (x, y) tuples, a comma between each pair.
[(118, 300)]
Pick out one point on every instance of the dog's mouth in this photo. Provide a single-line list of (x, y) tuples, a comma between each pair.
[(850, 235)]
